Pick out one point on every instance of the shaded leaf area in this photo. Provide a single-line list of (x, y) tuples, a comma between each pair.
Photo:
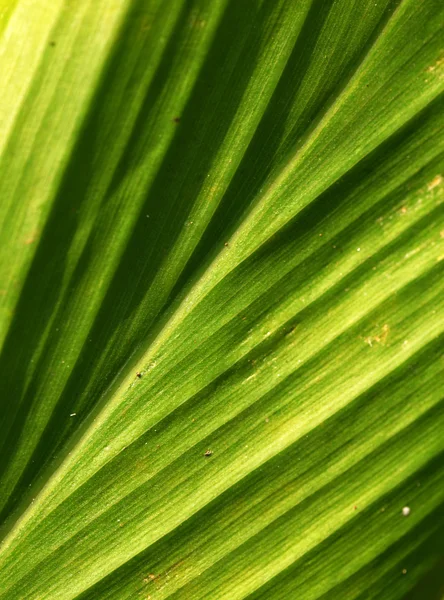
[(249, 215), (111, 275), (430, 586)]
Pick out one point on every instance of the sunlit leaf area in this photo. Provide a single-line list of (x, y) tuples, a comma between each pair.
[(221, 300)]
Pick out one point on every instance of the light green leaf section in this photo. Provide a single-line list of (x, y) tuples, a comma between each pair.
[(221, 296)]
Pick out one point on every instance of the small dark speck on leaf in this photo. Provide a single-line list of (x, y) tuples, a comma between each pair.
[(139, 374), (208, 453), (176, 119)]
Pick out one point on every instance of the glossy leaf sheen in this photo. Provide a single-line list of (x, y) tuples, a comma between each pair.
[(221, 303)]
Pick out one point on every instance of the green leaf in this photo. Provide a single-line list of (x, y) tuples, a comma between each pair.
[(221, 299)]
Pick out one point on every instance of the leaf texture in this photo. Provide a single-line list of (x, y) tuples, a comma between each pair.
[(221, 298)]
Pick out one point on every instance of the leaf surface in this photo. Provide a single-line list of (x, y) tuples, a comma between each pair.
[(221, 318)]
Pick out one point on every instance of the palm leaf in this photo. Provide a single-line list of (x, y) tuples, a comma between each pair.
[(221, 299)]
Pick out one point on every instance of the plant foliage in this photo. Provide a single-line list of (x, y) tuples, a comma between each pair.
[(221, 299)]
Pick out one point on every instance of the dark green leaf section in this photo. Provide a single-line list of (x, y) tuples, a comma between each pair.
[(246, 209), (84, 208), (431, 585), (137, 194)]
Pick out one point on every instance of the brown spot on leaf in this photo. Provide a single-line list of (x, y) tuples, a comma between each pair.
[(198, 23), (380, 338), (30, 240), (437, 180), (437, 66)]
